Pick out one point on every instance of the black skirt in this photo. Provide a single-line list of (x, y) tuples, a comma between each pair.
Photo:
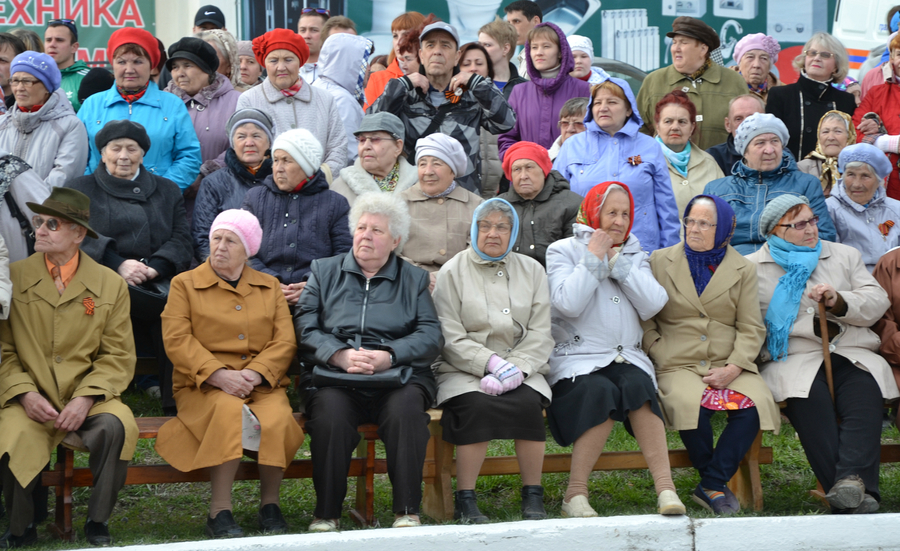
[(477, 417), (589, 400)]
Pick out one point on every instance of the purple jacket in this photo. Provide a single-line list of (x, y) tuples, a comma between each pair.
[(210, 109), (537, 102)]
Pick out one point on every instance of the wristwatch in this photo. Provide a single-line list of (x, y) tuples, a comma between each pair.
[(393, 358)]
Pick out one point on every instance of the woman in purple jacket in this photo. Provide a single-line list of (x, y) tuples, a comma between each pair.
[(538, 101)]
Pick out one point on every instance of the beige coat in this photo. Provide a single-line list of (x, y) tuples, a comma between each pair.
[(691, 334), (841, 267), (440, 227), (209, 325), (489, 308), (354, 180), (702, 169), (52, 345)]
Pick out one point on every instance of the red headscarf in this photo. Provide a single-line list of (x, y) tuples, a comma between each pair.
[(132, 35), (589, 213), (526, 150), (280, 39)]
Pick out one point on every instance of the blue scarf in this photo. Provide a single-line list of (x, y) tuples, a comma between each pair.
[(799, 263), (679, 161), (703, 264), (513, 235)]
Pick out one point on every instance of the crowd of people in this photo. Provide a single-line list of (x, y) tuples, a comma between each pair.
[(453, 226)]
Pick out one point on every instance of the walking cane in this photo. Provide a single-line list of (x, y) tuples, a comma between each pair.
[(823, 328)]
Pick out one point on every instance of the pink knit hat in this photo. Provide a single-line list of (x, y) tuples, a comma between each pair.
[(243, 224), (758, 41)]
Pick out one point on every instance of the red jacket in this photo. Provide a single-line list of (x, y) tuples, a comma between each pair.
[(884, 99), (378, 80)]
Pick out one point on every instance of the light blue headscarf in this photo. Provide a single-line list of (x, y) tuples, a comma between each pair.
[(513, 236), (799, 262)]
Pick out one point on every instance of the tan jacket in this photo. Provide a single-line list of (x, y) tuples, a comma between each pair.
[(691, 334), (208, 325), (841, 267), (702, 169), (440, 227), (51, 344), (489, 308)]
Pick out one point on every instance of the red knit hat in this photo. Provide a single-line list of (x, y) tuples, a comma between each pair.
[(132, 35), (280, 39), (526, 150)]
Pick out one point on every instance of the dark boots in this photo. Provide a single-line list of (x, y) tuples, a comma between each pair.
[(533, 503), (465, 508)]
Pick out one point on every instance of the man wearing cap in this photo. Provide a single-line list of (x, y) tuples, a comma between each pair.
[(457, 105), (68, 355), (209, 18), (61, 43), (755, 55), (766, 172), (739, 108), (709, 85), (546, 206), (310, 28)]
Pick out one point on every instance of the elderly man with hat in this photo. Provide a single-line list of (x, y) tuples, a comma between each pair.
[(709, 85), (755, 55), (457, 105), (42, 128), (290, 101), (541, 197), (767, 171), (68, 355)]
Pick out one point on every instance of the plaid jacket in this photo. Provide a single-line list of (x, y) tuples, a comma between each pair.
[(482, 105)]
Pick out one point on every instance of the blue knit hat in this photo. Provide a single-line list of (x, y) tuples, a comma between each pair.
[(865, 153), (756, 124), (39, 65)]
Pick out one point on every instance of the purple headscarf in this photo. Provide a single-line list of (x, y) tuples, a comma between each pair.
[(704, 264), (566, 63)]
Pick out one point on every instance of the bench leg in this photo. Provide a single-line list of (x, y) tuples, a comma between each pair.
[(437, 500), (364, 513), (746, 483), (65, 463)]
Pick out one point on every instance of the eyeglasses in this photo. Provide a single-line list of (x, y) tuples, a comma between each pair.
[(68, 23), (486, 227), (375, 141), (800, 226), (53, 224), (704, 225), (320, 11), (26, 82), (577, 125), (813, 53)]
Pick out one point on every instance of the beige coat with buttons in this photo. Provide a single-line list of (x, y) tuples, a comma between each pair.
[(53, 345), (440, 227), (209, 325), (702, 169), (489, 308), (842, 267), (691, 334)]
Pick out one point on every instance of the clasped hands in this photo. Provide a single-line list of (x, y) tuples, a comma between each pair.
[(502, 377), (362, 361), (238, 383), (135, 272), (40, 410)]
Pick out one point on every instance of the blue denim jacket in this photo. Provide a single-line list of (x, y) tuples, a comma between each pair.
[(748, 192)]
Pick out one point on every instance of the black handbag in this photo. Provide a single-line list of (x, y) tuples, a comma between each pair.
[(325, 376), (149, 299)]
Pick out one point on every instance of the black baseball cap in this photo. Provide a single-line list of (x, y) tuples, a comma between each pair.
[(210, 14)]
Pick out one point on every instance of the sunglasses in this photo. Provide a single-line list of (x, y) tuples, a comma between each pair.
[(53, 224), (813, 53), (320, 11), (69, 23)]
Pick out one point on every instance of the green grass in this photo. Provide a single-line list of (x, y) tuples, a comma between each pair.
[(177, 512)]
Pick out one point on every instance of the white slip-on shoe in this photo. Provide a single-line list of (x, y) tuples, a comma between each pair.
[(406, 521), (669, 504), (578, 507), (323, 525)]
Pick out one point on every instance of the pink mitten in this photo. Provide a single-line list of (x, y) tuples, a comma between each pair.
[(491, 385), (507, 373)]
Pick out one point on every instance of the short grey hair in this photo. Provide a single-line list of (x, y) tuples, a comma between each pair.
[(384, 204), (833, 45), (861, 164), (704, 201), (495, 206), (757, 99), (574, 107)]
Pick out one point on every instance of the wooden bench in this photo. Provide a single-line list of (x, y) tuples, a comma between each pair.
[(438, 470)]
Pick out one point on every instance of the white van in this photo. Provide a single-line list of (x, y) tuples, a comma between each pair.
[(860, 25)]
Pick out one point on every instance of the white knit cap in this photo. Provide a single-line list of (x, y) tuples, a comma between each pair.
[(756, 124), (582, 44), (446, 149), (303, 147)]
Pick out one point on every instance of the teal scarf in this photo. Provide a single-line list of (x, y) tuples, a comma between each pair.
[(679, 161), (799, 263)]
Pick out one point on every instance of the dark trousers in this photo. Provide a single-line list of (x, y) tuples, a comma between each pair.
[(853, 447), (148, 331), (103, 435), (334, 415), (717, 466)]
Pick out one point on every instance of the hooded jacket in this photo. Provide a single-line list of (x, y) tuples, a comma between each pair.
[(342, 69), (748, 192), (593, 156), (298, 227), (52, 140), (545, 219), (865, 227), (538, 101), (210, 109)]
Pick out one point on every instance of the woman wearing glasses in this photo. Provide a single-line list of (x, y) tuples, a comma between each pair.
[(797, 271), (823, 62), (704, 343)]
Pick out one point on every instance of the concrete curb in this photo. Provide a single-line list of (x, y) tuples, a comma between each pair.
[(624, 533)]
